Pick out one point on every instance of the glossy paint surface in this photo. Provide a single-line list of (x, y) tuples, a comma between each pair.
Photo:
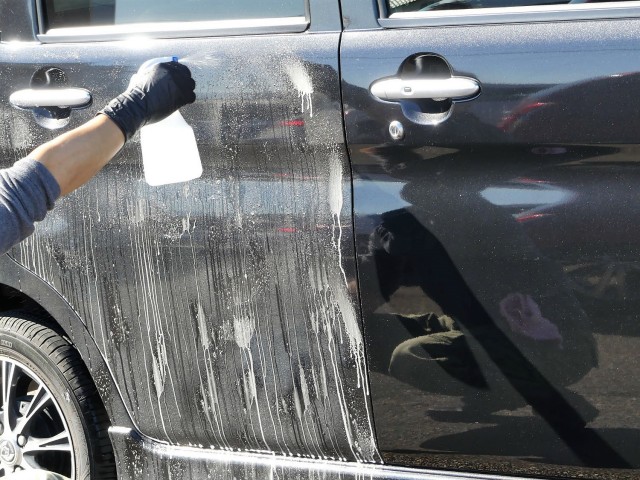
[(140, 459), (224, 308), (498, 246)]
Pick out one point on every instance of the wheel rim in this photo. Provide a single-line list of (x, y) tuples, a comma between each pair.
[(33, 431)]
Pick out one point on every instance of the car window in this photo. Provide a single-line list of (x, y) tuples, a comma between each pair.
[(77, 13), (399, 6)]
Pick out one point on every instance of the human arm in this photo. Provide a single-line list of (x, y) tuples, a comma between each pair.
[(27, 192), (75, 157), (29, 188)]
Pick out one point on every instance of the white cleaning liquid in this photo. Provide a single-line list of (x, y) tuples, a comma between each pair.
[(169, 148)]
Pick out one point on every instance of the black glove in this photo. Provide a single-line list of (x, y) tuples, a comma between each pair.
[(152, 96)]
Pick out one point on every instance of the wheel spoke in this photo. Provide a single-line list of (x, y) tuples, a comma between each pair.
[(29, 463), (39, 400), (59, 442), (9, 377)]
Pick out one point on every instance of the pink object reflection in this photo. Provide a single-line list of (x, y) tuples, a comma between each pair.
[(525, 318)]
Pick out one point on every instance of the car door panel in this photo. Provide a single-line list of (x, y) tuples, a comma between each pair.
[(221, 306), (495, 243)]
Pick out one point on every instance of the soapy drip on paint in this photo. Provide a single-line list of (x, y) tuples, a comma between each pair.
[(302, 82)]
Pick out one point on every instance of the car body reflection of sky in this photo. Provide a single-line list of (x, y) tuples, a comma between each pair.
[(373, 197), (515, 196)]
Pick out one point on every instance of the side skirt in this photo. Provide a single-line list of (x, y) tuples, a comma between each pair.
[(141, 458)]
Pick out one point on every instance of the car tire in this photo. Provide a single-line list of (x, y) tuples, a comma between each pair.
[(43, 379)]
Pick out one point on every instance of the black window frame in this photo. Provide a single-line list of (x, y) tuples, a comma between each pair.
[(178, 29), (504, 15)]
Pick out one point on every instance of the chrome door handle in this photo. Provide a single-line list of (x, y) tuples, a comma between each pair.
[(50, 98), (454, 88)]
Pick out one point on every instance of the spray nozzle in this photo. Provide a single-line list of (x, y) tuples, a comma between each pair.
[(154, 61)]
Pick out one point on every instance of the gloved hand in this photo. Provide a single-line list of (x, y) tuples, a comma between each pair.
[(152, 96)]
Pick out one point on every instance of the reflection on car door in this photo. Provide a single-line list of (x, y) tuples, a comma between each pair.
[(496, 240)]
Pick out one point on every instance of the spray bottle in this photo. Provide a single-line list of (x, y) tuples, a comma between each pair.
[(169, 148)]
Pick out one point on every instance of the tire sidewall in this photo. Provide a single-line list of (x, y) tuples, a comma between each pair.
[(19, 348)]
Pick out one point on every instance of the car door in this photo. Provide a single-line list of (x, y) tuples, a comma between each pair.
[(495, 157), (222, 306)]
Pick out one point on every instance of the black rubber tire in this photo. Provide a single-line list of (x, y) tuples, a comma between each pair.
[(59, 366)]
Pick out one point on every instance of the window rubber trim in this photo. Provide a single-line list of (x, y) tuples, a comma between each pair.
[(214, 28), (505, 15)]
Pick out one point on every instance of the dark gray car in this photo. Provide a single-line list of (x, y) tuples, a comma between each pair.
[(413, 250)]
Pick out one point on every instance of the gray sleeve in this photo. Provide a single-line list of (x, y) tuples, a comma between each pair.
[(27, 192)]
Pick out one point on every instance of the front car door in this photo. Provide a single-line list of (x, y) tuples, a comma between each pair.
[(222, 307), (496, 162)]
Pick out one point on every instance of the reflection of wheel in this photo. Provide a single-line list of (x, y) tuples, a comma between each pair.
[(51, 416)]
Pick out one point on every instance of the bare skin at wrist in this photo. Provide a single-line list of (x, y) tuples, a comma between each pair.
[(75, 157)]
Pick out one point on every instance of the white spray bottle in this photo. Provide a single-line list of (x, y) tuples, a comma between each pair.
[(169, 148)]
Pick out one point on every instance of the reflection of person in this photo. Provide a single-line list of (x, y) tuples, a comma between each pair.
[(523, 326), (443, 345), (30, 188)]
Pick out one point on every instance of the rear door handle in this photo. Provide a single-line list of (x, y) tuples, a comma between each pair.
[(454, 88), (50, 98)]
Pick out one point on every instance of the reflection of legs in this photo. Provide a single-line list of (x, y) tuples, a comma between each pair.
[(406, 253), (537, 370), (423, 361)]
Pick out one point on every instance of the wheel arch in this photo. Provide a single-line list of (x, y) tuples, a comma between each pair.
[(21, 290)]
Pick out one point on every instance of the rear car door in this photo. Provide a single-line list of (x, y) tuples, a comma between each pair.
[(222, 306), (495, 159)]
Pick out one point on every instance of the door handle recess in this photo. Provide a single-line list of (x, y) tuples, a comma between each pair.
[(454, 88), (51, 98)]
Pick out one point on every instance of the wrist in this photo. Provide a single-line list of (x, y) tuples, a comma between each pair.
[(102, 115), (126, 112)]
